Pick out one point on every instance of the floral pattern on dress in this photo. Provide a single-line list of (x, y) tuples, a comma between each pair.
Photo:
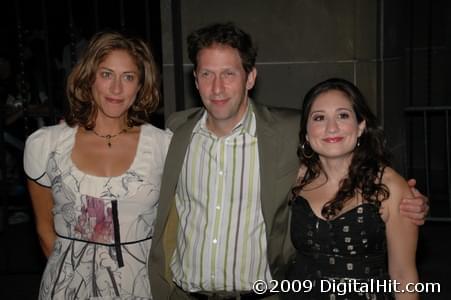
[(95, 223), (84, 262)]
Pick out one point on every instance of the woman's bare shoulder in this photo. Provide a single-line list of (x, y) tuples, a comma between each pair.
[(396, 183)]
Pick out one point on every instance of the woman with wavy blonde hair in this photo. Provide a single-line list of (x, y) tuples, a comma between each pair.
[(94, 179)]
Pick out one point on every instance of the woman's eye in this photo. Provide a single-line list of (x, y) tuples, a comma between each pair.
[(343, 116), (129, 77), (318, 118), (105, 74)]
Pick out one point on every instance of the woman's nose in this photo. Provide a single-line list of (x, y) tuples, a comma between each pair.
[(116, 86)]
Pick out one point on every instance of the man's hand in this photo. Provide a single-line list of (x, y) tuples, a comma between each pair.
[(416, 208)]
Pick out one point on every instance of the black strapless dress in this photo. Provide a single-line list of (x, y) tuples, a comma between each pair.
[(344, 258)]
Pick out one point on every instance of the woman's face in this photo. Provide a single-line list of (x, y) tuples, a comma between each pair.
[(332, 127), (116, 85)]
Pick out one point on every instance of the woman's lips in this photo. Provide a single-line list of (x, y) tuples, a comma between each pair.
[(333, 139), (113, 100)]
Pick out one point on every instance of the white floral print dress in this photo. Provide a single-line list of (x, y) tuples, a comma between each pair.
[(104, 224)]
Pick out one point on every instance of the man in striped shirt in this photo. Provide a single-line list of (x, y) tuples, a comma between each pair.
[(222, 221)]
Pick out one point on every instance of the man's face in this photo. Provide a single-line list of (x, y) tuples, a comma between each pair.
[(223, 86)]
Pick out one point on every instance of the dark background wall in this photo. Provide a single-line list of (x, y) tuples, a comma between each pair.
[(300, 43), (398, 52)]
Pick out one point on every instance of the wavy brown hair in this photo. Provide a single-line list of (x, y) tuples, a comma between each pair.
[(369, 158), (82, 108)]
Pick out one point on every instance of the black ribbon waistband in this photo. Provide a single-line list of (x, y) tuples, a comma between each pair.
[(102, 244)]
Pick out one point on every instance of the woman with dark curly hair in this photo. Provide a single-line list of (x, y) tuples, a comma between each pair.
[(345, 209), (94, 179)]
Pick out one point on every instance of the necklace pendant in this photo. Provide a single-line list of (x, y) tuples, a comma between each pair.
[(108, 140), (108, 137)]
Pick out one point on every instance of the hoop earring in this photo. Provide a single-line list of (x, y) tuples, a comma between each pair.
[(304, 153)]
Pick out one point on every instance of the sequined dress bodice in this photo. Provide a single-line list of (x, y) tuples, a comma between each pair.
[(351, 246)]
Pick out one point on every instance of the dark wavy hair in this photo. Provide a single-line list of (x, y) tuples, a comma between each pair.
[(82, 108), (369, 158), (227, 34)]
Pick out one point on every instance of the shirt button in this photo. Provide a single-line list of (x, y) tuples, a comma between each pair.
[(218, 207), (215, 241), (221, 173)]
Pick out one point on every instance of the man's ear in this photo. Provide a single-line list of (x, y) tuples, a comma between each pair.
[(195, 79), (251, 76)]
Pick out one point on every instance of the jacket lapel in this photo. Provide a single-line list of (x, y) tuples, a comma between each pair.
[(172, 168), (267, 143)]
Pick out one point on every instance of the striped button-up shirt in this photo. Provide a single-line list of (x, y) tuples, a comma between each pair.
[(221, 241)]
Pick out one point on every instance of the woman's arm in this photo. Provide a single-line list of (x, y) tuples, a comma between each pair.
[(42, 201), (402, 235)]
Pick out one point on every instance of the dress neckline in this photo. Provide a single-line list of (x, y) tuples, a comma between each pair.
[(337, 217), (131, 167)]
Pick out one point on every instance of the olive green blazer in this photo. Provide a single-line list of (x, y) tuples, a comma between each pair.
[(277, 133)]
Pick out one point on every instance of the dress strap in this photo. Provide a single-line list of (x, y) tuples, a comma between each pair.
[(117, 234)]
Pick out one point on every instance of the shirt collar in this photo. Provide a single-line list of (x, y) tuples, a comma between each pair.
[(245, 125)]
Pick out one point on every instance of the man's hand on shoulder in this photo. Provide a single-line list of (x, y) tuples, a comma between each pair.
[(415, 208)]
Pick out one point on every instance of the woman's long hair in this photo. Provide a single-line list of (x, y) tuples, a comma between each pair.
[(369, 158), (82, 108)]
